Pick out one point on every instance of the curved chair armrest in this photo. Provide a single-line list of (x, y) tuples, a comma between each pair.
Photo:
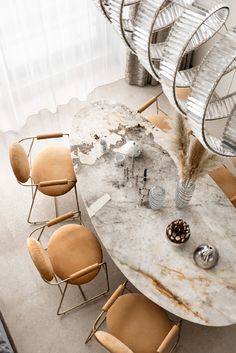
[(55, 182), (50, 136), (77, 274), (26, 139), (41, 228), (61, 218), (118, 292), (169, 338), (23, 184), (85, 271), (49, 183), (111, 343), (52, 222), (147, 104)]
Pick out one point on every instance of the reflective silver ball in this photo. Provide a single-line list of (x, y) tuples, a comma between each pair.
[(206, 256)]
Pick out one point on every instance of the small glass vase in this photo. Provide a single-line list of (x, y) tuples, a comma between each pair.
[(156, 197), (184, 193)]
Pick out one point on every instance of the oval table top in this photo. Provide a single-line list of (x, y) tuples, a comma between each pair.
[(134, 235)]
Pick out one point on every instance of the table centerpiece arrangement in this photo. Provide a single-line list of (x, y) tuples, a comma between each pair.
[(192, 160)]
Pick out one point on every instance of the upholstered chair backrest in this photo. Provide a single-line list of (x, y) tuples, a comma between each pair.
[(40, 259), (19, 162), (111, 343)]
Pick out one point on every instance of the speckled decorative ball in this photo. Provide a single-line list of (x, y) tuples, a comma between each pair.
[(178, 232)]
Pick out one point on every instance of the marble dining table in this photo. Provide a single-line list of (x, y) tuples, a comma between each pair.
[(134, 235)]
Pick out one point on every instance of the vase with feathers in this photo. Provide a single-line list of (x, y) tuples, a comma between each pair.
[(191, 158)]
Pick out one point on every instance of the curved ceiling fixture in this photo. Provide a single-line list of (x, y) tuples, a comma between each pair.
[(103, 6), (191, 23), (229, 134), (152, 17), (197, 24), (200, 106), (123, 19)]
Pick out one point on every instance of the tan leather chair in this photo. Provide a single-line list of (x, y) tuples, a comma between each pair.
[(160, 120), (226, 181), (51, 172), (73, 256), (135, 325)]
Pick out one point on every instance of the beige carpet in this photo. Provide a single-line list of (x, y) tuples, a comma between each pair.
[(28, 304)]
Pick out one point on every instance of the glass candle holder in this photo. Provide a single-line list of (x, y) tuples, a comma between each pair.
[(119, 160), (156, 197)]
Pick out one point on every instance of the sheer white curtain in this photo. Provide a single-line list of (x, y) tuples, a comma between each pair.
[(51, 51)]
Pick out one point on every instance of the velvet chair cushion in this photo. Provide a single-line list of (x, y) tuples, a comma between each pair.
[(53, 163), (72, 248), (19, 162), (137, 322), (40, 259)]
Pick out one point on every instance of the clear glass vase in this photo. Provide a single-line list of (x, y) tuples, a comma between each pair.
[(184, 193)]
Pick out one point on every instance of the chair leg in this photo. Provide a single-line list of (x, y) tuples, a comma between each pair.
[(85, 301), (107, 278), (31, 208), (32, 188), (82, 293), (96, 325), (56, 207), (77, 204), (58, 285)]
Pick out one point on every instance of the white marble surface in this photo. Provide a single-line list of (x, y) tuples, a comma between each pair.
[(134, 235)]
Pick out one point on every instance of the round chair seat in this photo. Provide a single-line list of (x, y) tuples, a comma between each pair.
[(72, 248), (137, 322), (53, 163)]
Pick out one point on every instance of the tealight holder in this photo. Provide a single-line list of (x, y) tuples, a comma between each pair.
[(156, 197), (119, 160)]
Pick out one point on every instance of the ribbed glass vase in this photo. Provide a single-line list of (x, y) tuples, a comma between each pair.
[(184, 193), (156, 197)]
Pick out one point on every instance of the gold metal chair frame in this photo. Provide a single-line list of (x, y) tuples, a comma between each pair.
[(85, 299), (58, 282), (34, 187), (102, 317)]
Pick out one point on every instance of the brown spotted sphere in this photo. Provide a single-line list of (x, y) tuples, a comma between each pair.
[(178, 231)]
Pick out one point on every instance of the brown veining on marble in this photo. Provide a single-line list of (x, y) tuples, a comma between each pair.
[(167, 292), (169, 278), (174, 297), (180, 276)]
